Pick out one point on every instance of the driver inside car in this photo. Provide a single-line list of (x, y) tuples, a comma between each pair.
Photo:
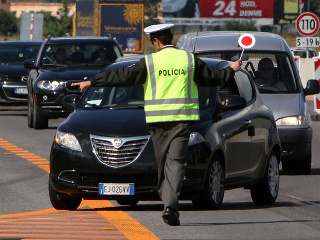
[(266, 75)]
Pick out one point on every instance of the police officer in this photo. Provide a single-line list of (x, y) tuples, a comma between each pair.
[(169, 77)]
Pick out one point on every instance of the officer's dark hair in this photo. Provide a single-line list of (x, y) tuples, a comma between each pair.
[(164, 36)]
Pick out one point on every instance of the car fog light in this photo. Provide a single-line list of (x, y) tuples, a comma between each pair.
[(195, 138), (67, 140), (45, 98)]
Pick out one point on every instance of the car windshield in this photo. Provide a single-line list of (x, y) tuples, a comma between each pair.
[(16, 55), (272, 72), (129, 97), (66, 54)]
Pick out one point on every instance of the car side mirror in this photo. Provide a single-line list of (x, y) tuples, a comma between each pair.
[(70, 101), (312, 87), (234, 102), (29, 64)]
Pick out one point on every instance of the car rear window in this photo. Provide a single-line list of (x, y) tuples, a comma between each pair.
[(283, 77)]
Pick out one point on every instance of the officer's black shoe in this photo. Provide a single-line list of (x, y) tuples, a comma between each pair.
[(171, 217)]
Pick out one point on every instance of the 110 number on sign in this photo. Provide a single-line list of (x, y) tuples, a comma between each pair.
[(307, 42)]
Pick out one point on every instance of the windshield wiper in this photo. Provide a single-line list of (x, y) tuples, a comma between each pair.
[(128, 107), (91, 105)]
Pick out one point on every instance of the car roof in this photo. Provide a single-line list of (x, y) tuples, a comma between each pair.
[(20, 43), (79, 39), (228, 40)]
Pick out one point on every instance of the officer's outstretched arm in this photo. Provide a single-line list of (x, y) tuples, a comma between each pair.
[(82, 85)]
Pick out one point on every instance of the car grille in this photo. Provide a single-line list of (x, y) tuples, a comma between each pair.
[(118, 152), (72, 88)]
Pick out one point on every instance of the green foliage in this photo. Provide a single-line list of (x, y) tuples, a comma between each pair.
[(314, 7), (57, 27), (239, 26), (8, 23)]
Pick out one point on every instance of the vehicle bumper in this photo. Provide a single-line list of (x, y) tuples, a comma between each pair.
[(51, 105), (13, 92), (296, 143), (79, 174)]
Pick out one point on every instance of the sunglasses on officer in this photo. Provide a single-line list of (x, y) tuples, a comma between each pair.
[(152, 40)]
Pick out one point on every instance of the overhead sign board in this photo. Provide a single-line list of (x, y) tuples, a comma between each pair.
[(236, 9), (307, 24), (125, 22), (217, 12)]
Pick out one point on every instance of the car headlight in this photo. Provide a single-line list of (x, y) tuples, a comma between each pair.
[(67, 140), (195, 138), (50, 84), (291, 121)]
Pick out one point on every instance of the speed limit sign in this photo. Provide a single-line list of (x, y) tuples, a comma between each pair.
[(307, 24)]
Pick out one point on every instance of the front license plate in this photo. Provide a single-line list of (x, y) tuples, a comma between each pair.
[(116, 189), (21, 90)]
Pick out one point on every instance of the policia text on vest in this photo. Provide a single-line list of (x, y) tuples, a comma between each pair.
[(171, 72)]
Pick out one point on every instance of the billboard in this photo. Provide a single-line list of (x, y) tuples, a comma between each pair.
[(236, 9), (208, 12), (86, 24), (125, 23)]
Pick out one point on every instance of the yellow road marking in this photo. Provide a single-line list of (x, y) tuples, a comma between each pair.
[(127, 225)]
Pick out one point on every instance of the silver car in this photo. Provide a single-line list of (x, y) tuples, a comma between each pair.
[(284, 93)]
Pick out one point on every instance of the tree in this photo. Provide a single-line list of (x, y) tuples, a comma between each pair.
[(314, 7), (57, 27), (8, 23), (239, 26)]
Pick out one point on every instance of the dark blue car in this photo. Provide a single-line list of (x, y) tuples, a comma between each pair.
[(13, 75)]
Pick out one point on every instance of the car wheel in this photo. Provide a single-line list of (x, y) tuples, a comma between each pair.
[(212, 195), (30, 113), (62, 201), (39, 122), (128, 202), (303, 166), (267, 191)]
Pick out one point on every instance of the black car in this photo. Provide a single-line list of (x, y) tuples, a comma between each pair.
[(104, 150), (60, 62), (13, 75)]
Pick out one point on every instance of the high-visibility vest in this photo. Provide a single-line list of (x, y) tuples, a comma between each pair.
[(170, 93)]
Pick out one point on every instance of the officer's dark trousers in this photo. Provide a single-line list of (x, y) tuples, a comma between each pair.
[(170, 141)]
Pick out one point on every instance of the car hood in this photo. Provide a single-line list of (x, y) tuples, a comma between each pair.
[(282, 105), (13, 70), (69, 73), (111, 123)]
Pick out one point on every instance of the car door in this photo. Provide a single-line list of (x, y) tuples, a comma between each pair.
[(233, 130), (258, 124)]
